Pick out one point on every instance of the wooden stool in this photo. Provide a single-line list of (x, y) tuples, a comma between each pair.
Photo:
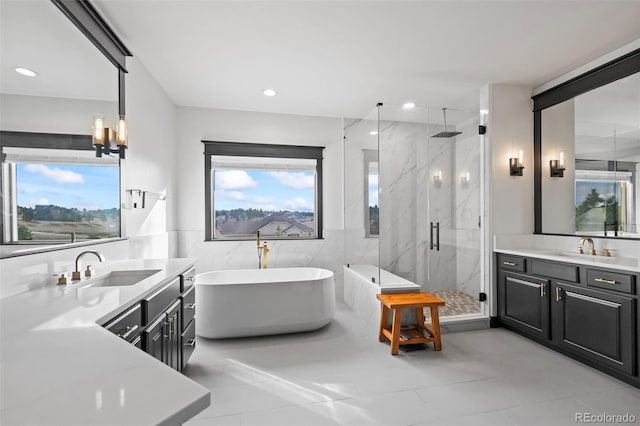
[(399, 301)]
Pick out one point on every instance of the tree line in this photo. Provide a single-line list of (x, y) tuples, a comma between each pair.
[(62, 214)]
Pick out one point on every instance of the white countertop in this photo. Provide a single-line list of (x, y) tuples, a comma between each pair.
[(59, 366), (621, 263)]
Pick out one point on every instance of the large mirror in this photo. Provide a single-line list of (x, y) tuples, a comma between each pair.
[(53, 81), (590, 162)]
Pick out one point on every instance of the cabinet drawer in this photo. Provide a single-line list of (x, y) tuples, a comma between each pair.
[(188, 342), (556, 270), (187, 280), (158, 302), (611, 281), (511, 263), (127, 325), (188, 306)]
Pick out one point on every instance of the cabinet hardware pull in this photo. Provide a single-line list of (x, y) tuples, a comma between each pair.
[(558, 294), (437, 236), (171, 326), (190, 342), (189, 278), (190, 306), (602, 280), (128, 331), (509, 263), (542, 289)]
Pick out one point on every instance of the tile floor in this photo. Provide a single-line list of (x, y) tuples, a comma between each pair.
[(456, 303), (341, 375)]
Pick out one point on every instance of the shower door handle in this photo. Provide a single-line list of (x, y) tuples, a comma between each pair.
[(438, 236), (431, 236)]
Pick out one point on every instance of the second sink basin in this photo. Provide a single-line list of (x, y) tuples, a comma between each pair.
[(121, 278)]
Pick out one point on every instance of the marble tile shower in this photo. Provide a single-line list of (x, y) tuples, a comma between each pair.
[(429, 198)]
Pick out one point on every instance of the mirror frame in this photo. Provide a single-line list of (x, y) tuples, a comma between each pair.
[(87, 19), (609, 72)]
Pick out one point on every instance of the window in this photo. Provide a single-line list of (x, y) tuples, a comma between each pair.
[(371, 214), (272, 189), (59, 195)]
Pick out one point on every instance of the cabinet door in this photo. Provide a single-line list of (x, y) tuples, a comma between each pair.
[(524, 303), (174, 332), (155, 341), (595, 325)]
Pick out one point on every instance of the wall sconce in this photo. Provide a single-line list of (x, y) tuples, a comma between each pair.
[(437, 178), (108, 141), (464, 179), (515, 165), (557, 167)]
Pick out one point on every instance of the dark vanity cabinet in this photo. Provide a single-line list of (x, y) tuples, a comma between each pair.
[(587, 313), (525, 304), (595, 325), (163, 322)]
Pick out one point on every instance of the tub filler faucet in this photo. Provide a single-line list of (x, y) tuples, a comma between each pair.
[(263, 251)]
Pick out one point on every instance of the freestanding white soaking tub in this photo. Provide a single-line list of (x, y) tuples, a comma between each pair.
[(254, 302)]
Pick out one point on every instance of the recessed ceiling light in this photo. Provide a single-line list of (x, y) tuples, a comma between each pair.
[(25, 71), (373, 132), (409, 105), (269, 92)]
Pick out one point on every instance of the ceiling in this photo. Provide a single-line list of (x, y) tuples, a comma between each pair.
[(338, 58)]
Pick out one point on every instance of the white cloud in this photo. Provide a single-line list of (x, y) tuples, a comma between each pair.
[(294, 180), (233, 195), (55, 174), (298, 203), (234, 179), (39, 202)]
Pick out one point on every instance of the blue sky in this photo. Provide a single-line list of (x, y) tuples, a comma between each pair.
[(70, 186), (264, 189)]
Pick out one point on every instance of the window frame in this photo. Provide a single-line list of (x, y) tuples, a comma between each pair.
[(69, 142), (248, 149)]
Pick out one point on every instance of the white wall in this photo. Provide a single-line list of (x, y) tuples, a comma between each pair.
[(150, 165), (197, 124), (511, 129)]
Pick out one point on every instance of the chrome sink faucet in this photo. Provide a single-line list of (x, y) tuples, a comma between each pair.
[(76, 276), (592, 250)]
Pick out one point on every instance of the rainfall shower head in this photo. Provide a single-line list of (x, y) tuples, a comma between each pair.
[(444, 133)]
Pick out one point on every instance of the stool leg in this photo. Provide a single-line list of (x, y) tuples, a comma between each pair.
[(420, 317), (395, 331), (384, 318), (435, 327)]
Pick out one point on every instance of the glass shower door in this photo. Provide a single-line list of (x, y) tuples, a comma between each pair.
[(453, 208)]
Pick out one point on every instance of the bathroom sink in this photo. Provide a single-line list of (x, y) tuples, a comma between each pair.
[(120, 278)]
